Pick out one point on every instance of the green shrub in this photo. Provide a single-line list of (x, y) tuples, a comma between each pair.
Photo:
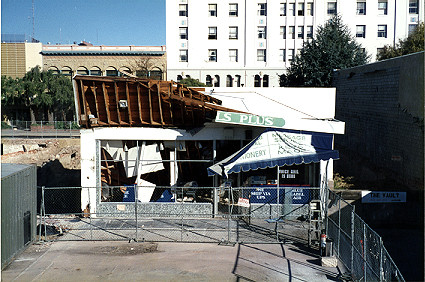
[(341, 182)]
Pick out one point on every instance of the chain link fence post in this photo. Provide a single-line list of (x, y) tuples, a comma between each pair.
[(352, 241), (136, 188), (339, 224), (90, 220), (228, 216), (364, 250), (381, 270), (42, 215)]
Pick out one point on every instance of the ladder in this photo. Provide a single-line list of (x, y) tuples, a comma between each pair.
[(315, 221)]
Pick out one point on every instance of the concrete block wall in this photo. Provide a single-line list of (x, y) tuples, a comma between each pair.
[(382, 105)]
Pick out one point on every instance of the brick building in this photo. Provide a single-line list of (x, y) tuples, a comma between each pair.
[(382, 105)]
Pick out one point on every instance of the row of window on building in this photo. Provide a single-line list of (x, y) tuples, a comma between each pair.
[(382, 30), (214, 81), (286, 9), (299, 9), (383, 7), (111, 71), (289, 32), (261, 32), (284, 55)]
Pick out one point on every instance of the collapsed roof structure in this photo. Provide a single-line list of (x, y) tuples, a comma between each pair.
[(134, 102)]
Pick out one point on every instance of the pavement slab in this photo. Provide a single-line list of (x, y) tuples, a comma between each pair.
[(166, 261)]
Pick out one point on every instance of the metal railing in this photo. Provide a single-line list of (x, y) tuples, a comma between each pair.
[(357, 246), (40, 129)]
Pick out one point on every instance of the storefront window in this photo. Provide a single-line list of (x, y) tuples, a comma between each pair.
[(150, 166)]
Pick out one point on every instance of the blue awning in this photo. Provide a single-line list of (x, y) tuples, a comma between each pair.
[(278, 147)]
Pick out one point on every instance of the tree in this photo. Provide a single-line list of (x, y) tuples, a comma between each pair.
[(332, 48), (412, 44), (42, 93), (13, 101), (35, 88), (63, 96), (143, 65), (192, 82)]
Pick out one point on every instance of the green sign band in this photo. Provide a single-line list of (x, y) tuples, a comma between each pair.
[(247, 119)]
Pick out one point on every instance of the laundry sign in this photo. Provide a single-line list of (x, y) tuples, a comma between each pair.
[(248, 119), (383, 197)]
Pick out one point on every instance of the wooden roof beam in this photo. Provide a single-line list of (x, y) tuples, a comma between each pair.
[(158, 87), (139, 102), (117, 102), (85, 105), (127, 93), (106, 99)]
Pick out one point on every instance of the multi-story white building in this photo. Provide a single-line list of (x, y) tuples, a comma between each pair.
[(237, 43)]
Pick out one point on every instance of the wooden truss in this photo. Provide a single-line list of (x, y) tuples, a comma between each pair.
[(126, 101)]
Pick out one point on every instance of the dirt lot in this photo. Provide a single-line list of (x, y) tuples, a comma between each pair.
[(57, 160)]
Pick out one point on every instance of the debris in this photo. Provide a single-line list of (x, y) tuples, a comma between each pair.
[(329, 261)]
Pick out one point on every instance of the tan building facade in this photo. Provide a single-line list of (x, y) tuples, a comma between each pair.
[(18, 58), (145, 61)]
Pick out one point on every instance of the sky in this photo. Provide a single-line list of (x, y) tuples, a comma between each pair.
[(100, 22)]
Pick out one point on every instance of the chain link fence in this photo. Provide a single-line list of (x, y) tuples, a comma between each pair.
[(357, 246), (183, 214), (42, 129), (223, 215)]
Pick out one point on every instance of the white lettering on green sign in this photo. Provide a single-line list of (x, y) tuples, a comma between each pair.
[(247, 119)]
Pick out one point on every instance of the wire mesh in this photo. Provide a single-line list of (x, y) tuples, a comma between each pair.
[(238, 215), (184, 214), (357, 246)]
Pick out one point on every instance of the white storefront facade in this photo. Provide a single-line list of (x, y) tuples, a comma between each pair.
[(174, 157)]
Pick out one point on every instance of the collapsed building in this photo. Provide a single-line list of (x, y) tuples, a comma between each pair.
[(142, 139)]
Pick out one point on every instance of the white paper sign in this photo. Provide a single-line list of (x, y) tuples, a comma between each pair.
[(243, 202)]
